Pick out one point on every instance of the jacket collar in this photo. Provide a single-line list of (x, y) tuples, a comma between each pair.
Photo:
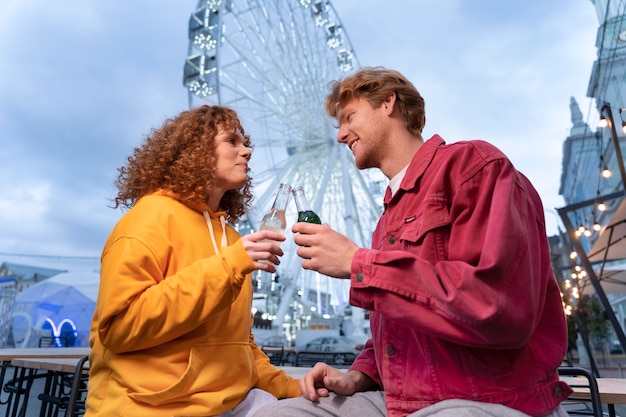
[(422, 158)]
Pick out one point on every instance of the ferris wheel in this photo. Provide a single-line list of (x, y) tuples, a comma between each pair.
[(271, 61)]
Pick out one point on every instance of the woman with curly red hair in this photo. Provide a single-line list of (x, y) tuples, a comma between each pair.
[(171, 333)]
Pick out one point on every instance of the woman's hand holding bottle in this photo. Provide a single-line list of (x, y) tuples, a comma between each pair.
[(262, 251)]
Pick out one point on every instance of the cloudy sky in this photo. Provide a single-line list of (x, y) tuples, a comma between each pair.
[(82, 82)]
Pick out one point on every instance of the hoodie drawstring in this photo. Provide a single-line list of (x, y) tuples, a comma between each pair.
[(224, 242)]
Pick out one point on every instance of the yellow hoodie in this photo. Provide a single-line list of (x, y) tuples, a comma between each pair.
[(171, 334)]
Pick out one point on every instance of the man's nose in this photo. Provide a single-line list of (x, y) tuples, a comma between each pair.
[(342, 134)]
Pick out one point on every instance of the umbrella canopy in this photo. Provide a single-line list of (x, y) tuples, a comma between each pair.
[(612, 282), (612, 239), (60, 306)]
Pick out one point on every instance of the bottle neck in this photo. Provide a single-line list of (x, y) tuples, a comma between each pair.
[(301, 201), (281, 200)]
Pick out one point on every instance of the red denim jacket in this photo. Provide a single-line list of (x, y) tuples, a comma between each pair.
[(463, 299)]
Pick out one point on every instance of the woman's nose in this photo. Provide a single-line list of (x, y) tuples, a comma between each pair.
[(246, 152)]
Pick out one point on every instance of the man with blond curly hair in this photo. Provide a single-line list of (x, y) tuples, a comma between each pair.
[(465, 312)]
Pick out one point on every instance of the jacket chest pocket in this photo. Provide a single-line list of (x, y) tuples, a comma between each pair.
[(428, 234)]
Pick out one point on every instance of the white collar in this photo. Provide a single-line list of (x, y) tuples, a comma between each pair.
[(394, 183)]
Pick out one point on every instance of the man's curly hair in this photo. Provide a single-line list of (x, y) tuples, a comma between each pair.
[(376, 84), (180, 157)]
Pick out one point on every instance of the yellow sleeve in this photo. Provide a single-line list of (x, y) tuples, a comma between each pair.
[(271, 379)]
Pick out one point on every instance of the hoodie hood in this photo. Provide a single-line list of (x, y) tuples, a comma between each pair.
[(199, 207), (209, 215)]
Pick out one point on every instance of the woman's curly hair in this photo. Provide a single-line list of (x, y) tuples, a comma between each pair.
[(180, 157)]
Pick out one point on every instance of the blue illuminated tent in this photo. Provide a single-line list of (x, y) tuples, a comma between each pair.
[(59, 306)]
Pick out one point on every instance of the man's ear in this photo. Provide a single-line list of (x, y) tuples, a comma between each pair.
[(390, 103)]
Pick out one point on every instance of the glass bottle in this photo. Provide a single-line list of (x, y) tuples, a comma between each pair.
[(305, 213), (275, 219)]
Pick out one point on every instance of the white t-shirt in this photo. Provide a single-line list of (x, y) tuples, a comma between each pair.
[(394, 183)]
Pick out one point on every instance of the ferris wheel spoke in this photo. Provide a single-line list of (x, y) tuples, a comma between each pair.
[(257, 67)]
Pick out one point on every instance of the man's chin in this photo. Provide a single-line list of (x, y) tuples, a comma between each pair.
[(363, 164)]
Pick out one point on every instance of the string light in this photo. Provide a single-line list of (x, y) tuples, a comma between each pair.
[(603, 122), (596, 226), (601, 206), (615, 139), (568, 309), (580, 230), (606, 172), (623, 117)]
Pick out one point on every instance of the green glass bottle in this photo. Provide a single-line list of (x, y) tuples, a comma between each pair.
[(305, 213)]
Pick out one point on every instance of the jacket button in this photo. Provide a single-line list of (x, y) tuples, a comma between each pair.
[(359, 276), (390, 351), (558, 391), (392, 240)]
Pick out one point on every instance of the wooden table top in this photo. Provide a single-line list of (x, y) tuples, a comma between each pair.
[(70, 352), (67, 365), (612, 390)]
